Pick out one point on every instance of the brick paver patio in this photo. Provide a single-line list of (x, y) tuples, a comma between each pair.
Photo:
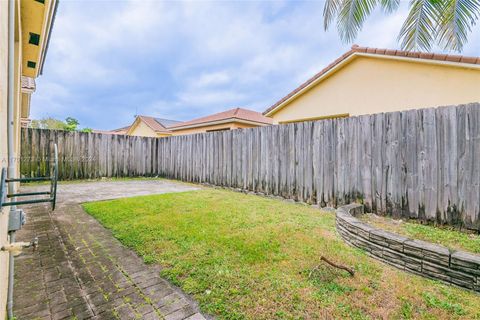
[(80, 271)]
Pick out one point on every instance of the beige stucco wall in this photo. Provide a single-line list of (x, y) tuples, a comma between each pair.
[(3, 129), (18, 102), (3, 149), (229, 125), (142, 130), (34, 11), (369, 85)]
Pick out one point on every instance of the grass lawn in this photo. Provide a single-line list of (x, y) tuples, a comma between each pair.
[(248, 257), (445, 236)]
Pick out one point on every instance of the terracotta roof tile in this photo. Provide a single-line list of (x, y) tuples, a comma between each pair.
[(439, 56), (156, 123), (469, 59), (122, 130), (233, 114), (424, 55), (389, 52), (454, 58), (381, 51)]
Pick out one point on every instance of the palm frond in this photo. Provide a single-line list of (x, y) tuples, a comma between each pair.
[(458, 18), (419, 29), (351, 16), (330, 12), (388, 6)]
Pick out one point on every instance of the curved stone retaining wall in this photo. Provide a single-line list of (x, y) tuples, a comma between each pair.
[(419, 257)]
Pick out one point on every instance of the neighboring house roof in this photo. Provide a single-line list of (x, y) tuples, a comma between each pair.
[(28, 84), (103, 131), (156, 124), (386, 53), (233, 115), (122, 130), (167, 123)]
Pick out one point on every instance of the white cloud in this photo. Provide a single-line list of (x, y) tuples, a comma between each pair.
[(210, 79), (188, 59)]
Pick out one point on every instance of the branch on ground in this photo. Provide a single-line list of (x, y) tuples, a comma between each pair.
[(349, 270)]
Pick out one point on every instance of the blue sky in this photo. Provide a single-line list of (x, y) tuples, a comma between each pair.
[(110, 60)]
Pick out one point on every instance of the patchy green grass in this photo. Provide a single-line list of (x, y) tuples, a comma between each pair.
[(248, 257), (445, 236)]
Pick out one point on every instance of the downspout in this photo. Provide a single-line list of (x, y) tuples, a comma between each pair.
[(10, 140)]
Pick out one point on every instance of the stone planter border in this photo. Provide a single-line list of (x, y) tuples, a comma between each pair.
[(419, 257)]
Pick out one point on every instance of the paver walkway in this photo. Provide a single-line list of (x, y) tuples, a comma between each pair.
[(80, 271)]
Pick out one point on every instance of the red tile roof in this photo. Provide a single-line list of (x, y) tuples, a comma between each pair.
[(399, 53), (122, 130), (157, 124), (233, 114)]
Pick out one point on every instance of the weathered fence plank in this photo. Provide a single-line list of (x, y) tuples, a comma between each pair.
[(422, 164)]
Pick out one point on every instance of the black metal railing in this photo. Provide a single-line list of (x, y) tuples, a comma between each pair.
[(51, 195)]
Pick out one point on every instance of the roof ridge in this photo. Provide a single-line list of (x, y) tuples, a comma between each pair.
[(164, 119)]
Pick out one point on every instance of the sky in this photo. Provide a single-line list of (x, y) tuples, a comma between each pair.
[(110, 60)]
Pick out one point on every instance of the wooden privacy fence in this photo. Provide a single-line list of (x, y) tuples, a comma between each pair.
[(422, 164)]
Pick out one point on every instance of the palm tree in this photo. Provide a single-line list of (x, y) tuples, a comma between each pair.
[(446, 23)]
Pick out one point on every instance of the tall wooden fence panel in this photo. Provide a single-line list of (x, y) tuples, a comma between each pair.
[(422, 164)]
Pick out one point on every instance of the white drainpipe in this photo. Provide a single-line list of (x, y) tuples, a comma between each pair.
[(10, 138)]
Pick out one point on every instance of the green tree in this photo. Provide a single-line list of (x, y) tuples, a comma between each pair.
[(48, 123), (71, 124), (445, 23)]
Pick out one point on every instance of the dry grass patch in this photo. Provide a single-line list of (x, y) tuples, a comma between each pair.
[(248, 257)]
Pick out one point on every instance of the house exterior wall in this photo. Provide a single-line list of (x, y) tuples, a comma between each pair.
[(369, 85), (3, 149), (3, 128), (29, 16), (142, 130), (18, 101), (223, 126)]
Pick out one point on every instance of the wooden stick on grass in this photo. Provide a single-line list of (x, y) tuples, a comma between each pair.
[(351, 271)]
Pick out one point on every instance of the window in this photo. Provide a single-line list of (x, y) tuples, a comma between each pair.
[(34, 38), (31, 64)]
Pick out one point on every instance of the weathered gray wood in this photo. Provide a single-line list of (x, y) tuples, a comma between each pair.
[(429, 164), (412, 178), (420, 164), (394, 164), (365, 158), (378, 158)]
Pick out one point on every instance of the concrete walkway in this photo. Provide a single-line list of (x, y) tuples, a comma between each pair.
[(80, 271)]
